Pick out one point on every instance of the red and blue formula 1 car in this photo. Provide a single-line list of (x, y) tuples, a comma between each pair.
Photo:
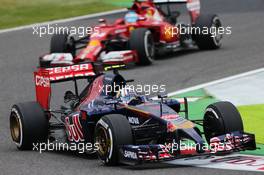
[(122, 126), (150, 27)]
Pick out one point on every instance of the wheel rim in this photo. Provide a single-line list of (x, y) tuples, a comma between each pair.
[(149, 46), (217, 38), (104, 142), (15, 128)]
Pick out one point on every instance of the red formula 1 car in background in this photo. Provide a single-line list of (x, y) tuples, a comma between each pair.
[(149, 27)]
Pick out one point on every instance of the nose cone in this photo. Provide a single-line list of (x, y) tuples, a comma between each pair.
[(172, 125)]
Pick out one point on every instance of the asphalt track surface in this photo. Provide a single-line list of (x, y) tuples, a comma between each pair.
[(242, 51)]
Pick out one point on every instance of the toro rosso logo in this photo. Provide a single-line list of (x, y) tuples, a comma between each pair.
[(75, 129), (42, 81)]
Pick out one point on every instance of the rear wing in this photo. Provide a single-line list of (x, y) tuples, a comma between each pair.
[(193, 6), (168, 1), (45, 76)]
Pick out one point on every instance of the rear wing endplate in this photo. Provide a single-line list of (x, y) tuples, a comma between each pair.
[(44, 77)]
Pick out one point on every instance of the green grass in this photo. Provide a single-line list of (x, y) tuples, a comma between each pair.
[(122, 3), (197, 108), (21, 12), (252, 116), (253, 119)]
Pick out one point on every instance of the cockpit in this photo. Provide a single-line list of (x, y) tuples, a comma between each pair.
[(130, 97)]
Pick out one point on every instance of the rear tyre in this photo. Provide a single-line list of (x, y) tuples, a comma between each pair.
[(111, 132), (28, 125), (210, 40), (62, 43), (221, 118), (141, 40)]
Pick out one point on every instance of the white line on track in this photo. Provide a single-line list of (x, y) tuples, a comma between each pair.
[(240, 162), (63, 20), (216, 82)]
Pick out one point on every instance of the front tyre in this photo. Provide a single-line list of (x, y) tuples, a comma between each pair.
[(111, 132), (221, 118), (211, 39), (28, 125), (142, 41)]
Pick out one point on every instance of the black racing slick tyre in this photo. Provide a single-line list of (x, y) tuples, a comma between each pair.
[(28, 125), (62, 43), (221, 118), (206, 32), (111, 132), (141, 40)]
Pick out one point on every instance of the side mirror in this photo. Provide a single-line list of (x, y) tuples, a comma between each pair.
[(162, 95), (111, 102), (130, 81)]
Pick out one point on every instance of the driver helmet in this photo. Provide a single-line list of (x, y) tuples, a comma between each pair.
[(129, 96)]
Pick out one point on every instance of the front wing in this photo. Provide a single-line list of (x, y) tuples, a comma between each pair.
[(119, 57), (224, 144)]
